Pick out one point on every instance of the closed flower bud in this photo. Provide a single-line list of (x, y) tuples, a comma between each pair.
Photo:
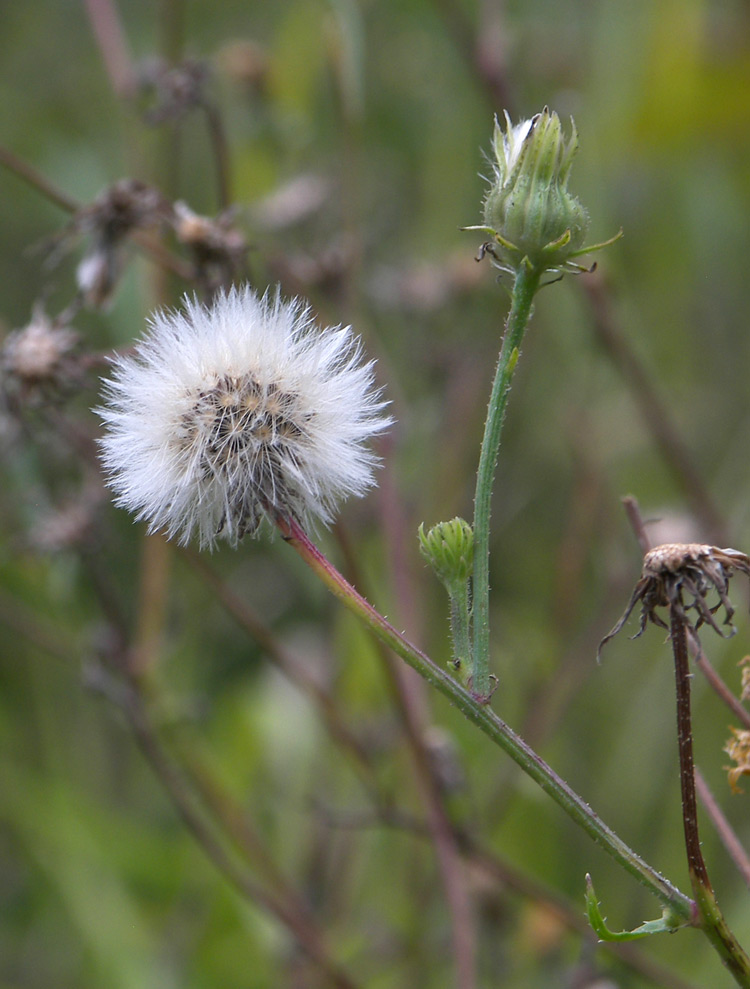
[(529, 212), (529, 204), (449, 549)]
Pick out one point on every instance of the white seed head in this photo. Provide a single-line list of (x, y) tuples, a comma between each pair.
[(239, 411)]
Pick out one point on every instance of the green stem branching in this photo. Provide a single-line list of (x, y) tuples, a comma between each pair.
[(489, 723)]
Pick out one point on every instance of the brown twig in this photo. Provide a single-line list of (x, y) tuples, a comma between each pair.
[(142, 239), (633, 512), (484, 58), (129, 700), (696, 863), (218, 138), (37, 181), (655, 414), (244, 615), (724, 829), (110, 38), (411, 702)]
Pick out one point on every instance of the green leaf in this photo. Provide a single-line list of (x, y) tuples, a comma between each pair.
[(668, 923)]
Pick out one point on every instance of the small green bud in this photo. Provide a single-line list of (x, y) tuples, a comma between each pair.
[(449, 549), (532, 217)]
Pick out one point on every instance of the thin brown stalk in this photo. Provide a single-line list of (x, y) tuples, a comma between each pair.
[(37, 181), (724, 829), (633, 512), (178, 788), (233, 818), (455, 880), (409, 695), (654, 412), (696, 864), (711, 919), (110, 37), (717, 684), (483, 57), (244, 615), (153, 590), (218, 138)]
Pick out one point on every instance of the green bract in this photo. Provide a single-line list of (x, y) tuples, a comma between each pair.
[(529, 213), (449, 549)]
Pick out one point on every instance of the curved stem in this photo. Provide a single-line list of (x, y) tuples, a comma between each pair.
[(489, 723), (524, 287)]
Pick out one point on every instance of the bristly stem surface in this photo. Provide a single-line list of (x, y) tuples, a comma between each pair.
[(489, 723), (525, 285), (460, 627), (711, 918)]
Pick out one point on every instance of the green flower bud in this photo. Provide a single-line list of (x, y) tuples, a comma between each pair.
[(449, 549), (530, 214), (529, 205)]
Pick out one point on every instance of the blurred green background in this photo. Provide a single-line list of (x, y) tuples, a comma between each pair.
[(386, 109)]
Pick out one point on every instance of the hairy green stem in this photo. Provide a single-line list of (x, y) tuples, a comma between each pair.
[(460, 631), (525, 285), (489, 723)]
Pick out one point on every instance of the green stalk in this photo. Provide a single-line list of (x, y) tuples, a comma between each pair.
[(459, 599), (718, 933), (489, 723), (525, 286)]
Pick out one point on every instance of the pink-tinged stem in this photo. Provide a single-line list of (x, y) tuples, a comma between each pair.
[(489, 723)]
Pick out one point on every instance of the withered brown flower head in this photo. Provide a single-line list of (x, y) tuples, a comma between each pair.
[(682, 577)]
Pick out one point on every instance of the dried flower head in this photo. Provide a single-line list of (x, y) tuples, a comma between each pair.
[(174, 89), (39, 355), (681, 576), (122, 208), (217, 247), (240, 411)]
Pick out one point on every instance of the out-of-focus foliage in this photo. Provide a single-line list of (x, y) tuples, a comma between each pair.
[(355, 134)]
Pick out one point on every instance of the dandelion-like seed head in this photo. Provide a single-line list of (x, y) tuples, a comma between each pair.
[(237, 412)]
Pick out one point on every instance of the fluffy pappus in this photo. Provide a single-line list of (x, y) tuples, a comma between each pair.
[(236, 412)]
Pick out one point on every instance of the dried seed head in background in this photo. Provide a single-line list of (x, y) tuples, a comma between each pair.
[(218, 248), (38, 357), (681, 576), (239, 411), (125, 206)]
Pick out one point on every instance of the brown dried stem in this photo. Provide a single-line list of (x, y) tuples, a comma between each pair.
[(696, 863), (724, 829)]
